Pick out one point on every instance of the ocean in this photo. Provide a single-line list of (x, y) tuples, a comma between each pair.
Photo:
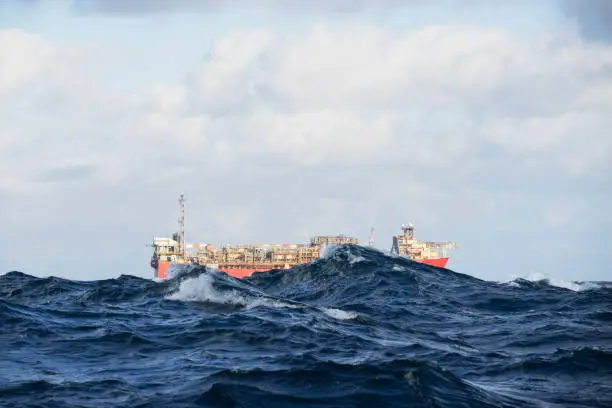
[(356, 328)]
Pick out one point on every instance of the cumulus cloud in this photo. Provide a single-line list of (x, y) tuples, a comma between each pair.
[(377, 89), (324, 126), (339, 95), (25, 57), (351, 93)]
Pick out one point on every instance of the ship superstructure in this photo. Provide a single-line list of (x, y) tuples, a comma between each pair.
[(242, 260), (427, 252), (236, 260)]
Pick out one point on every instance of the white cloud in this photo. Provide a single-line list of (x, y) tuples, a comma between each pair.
[(394, 114), (37, 78), (343, 94), (24, 58), (30, 60), (366, 93)]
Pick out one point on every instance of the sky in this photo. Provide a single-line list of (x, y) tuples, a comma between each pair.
[(482, 122)]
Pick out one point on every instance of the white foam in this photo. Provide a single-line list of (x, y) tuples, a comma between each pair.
[(339, 314), (200, 289), (355, 258), (327, 250), (560, 283)]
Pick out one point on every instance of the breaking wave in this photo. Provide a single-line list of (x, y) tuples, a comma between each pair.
[(546, 279), (357, 327)]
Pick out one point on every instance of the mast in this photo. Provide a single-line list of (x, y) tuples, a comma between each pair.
[(372, 237), (408, 230), (181, 225)]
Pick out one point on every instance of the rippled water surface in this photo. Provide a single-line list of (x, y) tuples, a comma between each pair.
[(356, 328)]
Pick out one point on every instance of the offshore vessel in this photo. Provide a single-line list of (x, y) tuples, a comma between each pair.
[(427, 252), (240, 261), (236, 260)]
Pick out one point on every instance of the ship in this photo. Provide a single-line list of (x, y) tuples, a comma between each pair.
[(243, 260), (427, 252)]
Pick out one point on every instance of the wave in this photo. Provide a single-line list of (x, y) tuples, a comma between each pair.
[(394, 383), (546, 279), (356, 327), (203, 288)]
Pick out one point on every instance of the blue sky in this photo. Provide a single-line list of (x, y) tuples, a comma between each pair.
[(483, 124)]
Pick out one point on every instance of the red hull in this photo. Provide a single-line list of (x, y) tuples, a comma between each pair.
[(161, 269), (235, 272), (244, 272), (439, 262)]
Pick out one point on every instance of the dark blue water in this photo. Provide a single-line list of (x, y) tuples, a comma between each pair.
[(355, 329)]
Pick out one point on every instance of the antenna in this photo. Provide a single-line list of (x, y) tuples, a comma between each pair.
[(181, 224)]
